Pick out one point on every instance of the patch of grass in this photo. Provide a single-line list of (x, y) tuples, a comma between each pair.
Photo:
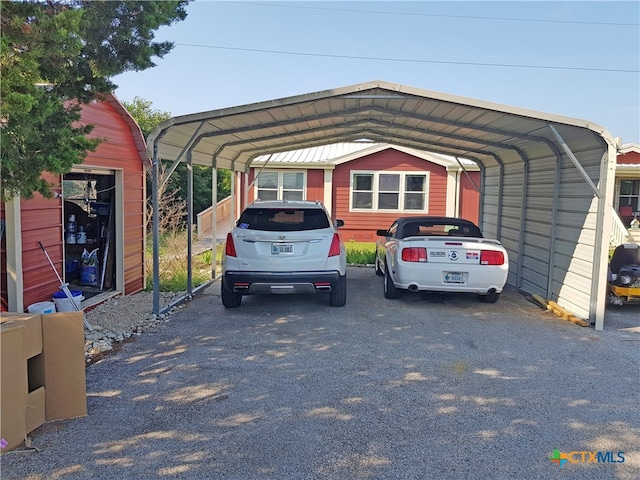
[(206, 256), (173, 263), (360, 253)]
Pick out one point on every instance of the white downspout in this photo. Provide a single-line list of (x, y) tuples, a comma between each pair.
[(451, 204)]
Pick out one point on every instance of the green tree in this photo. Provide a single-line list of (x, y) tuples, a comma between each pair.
[(55, 56), (224, 183), (147, 117)]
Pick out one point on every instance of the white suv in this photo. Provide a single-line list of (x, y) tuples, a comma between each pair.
[(284, 247)]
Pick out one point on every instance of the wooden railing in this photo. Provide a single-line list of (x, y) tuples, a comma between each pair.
[(619, 232), (223, 217)]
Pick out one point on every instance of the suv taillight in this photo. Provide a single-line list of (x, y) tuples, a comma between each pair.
[(491, 257), (230, 248), (414, 254), (334, 249)]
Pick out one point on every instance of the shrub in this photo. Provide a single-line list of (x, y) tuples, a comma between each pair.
[(360, 253)]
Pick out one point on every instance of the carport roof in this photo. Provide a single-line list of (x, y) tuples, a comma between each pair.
[(378, 111)]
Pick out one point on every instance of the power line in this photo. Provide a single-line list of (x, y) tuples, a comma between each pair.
[(436, 15), (410, 60)]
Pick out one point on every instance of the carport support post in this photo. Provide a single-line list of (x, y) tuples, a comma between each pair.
[(599, 289), (156, 229), (234, 179), (189, 223), (214, 217)]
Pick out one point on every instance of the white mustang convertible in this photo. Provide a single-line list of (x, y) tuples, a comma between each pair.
[(440, 254)]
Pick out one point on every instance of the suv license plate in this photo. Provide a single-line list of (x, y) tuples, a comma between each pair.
[(453, 277), (281, 248)]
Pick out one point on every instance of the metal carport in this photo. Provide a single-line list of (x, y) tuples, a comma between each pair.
[(547, 179)]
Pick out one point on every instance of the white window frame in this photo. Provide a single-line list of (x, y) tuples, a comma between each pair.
[(280, 188), (401, 193), (629, 197)]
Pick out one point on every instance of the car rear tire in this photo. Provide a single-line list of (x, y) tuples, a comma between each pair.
[(491, 297), (230, 299), (338, 295), (390, 290), (379, 271)]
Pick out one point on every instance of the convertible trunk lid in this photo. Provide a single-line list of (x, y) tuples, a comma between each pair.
[(453, 250)]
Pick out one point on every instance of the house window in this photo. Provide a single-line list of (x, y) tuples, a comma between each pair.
[(389, 191), (414, 188), (362, 191), (280, 186), (629, 194)]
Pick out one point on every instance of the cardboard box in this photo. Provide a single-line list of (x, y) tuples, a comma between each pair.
[(13, 384), (33, 331), (35, 410), (42, 372), (64, 365)]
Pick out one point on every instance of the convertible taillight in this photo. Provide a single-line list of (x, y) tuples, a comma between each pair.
[(491, 257), (334, 249), (230, 248), (414, 254)]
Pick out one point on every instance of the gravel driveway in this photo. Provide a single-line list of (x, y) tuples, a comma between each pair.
[(287, 387)]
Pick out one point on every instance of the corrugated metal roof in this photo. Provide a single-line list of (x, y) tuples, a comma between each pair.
[(630, 147), (337, 153), (541, 172), (323, 154)]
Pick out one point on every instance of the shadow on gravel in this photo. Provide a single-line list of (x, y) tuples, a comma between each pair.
[(288, 387)]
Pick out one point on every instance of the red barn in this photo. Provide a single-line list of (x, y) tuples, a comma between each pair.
[(99, 206)]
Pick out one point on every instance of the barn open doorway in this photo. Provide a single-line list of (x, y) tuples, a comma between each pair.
[(89, 232)]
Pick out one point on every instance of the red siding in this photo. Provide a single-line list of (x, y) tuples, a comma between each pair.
[(362, 226), (41, 222), (470, 197), (629, 158), (250, 196), (315, 185)]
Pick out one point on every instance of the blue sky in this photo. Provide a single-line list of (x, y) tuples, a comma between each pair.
[(577, 59)]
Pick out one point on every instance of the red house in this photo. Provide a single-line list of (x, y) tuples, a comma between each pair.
[(368, 185), (627, 186), (99, 206)]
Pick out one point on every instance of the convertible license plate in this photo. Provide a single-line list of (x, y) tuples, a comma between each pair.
[(453, 277), (282, 249)]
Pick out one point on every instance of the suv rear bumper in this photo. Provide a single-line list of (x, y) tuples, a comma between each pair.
[(249, 283)]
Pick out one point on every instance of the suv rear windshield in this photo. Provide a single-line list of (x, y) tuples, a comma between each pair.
[(283, 219)]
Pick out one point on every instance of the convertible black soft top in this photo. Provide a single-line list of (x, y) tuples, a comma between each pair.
[(436, 226)]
